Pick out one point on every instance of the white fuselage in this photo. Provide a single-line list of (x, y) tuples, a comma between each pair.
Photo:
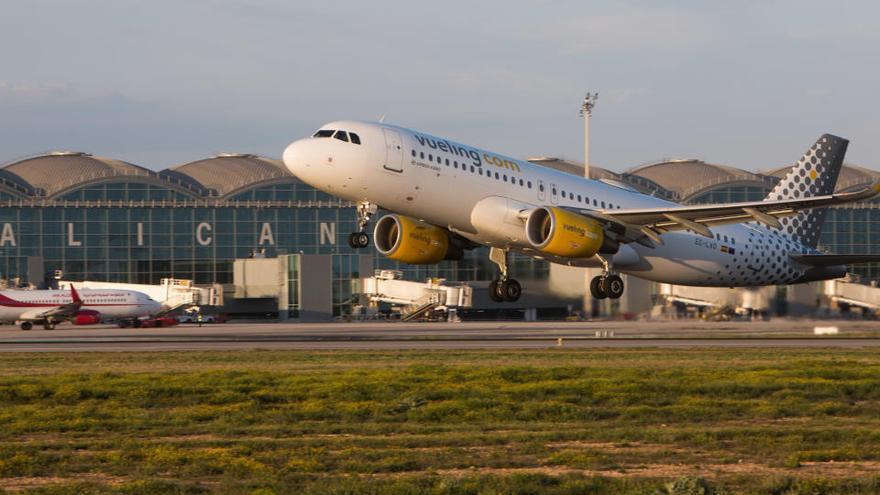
[(21, 305), (479, 195)]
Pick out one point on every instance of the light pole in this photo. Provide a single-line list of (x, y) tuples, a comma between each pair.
[(586, 111), (589, 303)]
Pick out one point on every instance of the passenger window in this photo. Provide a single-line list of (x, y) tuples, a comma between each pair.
[(603, 204), (595, 203), (579, 198), (422, 155), (472, 169), (341, 135), (520, 183), (447, 162), (481, 171), (497, 176), (529, 183), (505, 177), (455, 165), (541, 187), (324, 133), (430, 157), (439, 159), (355, 138), (413, 152)]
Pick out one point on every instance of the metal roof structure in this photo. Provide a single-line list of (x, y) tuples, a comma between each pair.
[(53, 174), (228, 173), (687, 178)]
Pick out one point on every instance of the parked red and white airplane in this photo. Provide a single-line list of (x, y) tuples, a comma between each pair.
[(446, 197), (86, 307)]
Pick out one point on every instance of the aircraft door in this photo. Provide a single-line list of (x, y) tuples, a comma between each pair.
[(554, 194), (393, 151)]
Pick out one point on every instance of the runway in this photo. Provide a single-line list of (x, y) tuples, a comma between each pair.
[(470, 335)]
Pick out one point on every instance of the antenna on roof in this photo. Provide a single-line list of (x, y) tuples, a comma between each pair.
[(382, 119)]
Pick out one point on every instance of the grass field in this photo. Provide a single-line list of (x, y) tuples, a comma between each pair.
[(551, 421)]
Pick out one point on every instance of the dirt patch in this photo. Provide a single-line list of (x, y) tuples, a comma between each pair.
[(29, 483), (807, 470)]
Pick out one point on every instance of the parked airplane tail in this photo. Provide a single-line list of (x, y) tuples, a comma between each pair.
[(75, 295), (815, 174)]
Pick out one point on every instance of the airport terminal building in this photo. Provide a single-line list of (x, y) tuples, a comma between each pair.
[(102, 219)]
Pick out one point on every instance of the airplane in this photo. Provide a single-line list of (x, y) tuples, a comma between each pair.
[(446, 197), (85, 307)]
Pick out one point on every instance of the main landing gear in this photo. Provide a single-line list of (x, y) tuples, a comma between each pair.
[(609, 284), (26, 325), (503, 289), (360, 239)]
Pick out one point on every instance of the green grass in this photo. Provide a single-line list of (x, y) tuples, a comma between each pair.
[(550, 421)]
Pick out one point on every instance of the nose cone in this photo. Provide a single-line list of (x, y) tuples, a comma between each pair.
[(294, 156)]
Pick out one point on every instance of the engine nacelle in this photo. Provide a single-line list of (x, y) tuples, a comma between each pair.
[(563, 233), (411, 241), (87, 317)]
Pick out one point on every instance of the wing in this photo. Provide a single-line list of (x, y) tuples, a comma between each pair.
[(62, 311), (651, 222), (835, 259)]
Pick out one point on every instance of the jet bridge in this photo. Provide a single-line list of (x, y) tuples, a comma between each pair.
[(414, 299)]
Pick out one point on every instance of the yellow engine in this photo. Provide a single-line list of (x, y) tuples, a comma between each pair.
[(411, 241), (563, 233)]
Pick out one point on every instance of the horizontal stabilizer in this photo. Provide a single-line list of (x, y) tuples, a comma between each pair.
[(835, 259)]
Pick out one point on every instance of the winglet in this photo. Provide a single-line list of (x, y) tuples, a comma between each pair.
[(75, 295)]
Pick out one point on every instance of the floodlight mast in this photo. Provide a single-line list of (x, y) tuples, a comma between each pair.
[(590, 305), (585, 112)]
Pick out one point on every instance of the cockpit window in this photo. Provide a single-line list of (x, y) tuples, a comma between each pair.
[(355, 138), (341, 135), (323, 133)]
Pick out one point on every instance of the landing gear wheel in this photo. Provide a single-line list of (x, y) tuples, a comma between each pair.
[(123, 324), (48, 326), (358, 240), (597, 288), (495, 293), (26, 325), (612, 286), (511, 289), (362, 239), (136, 323)]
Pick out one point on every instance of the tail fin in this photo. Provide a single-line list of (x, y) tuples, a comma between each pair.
[(75, 295), (815, 174)]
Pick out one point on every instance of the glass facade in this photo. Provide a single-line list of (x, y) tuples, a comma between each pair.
[(854, 230)]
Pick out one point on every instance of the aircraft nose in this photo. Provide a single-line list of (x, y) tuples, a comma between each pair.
[(294, 156)]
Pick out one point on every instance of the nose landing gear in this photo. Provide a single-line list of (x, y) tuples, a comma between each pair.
[(503, 289), (609, 284), (360, 239)]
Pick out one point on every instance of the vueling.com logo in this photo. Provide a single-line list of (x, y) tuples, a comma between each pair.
[(465, 152)]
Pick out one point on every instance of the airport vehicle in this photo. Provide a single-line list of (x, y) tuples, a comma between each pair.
[(445, 197), (193, 317), (85, 307)]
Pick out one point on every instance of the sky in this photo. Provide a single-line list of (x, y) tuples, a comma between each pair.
[(158, 83)]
